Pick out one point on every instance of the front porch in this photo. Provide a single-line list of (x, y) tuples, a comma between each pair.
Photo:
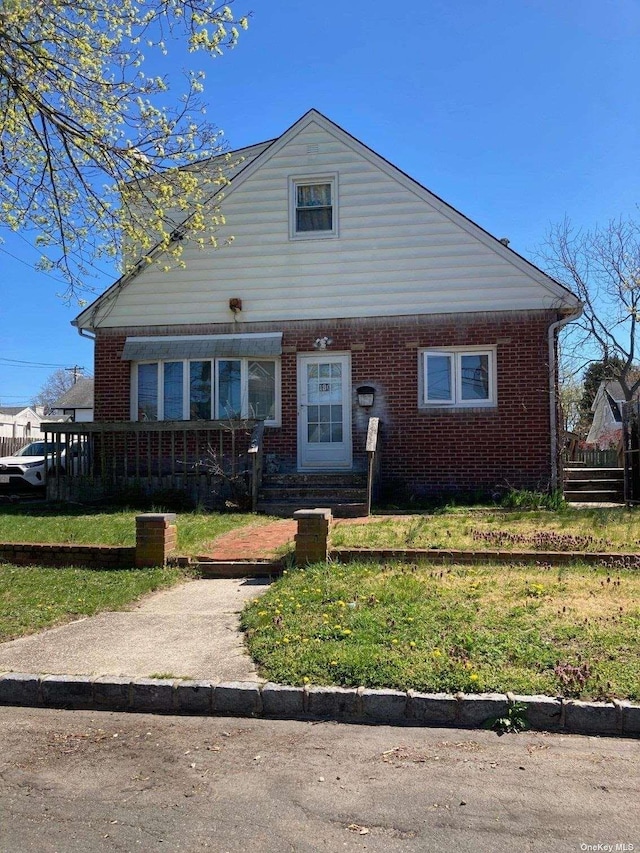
[(215, 464)]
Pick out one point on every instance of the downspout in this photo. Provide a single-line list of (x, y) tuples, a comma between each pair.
[(85, 334), (553, 408)]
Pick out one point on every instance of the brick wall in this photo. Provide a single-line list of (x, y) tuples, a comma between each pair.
[(82, 556), (430, 452)]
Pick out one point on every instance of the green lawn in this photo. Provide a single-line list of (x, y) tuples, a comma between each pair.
[(33, 598), (83, 526), (563, 530), (572, 631)]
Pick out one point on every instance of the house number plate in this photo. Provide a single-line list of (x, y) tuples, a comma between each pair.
[(324, 386)]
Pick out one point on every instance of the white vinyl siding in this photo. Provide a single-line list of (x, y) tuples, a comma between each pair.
[(461, 378), (399, 252)]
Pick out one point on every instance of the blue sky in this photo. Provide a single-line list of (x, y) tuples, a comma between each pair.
[(516, 113)]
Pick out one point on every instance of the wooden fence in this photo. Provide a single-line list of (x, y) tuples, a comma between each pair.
[(594, 458), (9, 446)]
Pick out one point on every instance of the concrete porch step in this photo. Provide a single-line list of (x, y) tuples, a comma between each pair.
[(345, 494), (339, 508)]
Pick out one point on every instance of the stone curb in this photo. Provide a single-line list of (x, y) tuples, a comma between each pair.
[(279, 701)]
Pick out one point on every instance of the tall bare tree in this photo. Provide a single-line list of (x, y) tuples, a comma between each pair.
[(54, 387), (602, 266)]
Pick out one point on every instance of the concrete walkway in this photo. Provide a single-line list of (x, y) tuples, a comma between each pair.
[(190, 631)]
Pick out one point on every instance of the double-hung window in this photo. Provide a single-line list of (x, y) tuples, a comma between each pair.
[(313, 207), (461, 378), (207, 389)]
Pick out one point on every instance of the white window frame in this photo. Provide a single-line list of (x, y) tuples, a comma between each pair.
[(456, 401), (308, 180), (244, 388)]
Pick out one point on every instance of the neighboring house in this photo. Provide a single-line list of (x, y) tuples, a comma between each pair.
[(76, 404), (606, 428), (21, 422), (349, 291)]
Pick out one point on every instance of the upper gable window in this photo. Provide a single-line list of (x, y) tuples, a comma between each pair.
[(313, 207)]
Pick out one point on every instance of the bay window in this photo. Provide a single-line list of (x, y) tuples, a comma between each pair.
[(207, 389)]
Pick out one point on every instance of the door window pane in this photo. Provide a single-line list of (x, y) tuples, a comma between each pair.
[(474, 381), (173, 380), (230, 388), (439, 378), (200, 390), (262, 390), (147, 392)]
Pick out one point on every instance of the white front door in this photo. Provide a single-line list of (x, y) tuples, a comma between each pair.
[(324, 411)]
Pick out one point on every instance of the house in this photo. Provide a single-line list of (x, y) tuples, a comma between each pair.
[(21, 422), (350, 292), (76, 404), (606, 428)]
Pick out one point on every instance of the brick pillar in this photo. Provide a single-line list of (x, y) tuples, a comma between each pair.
[(312, 538), (156, 538)]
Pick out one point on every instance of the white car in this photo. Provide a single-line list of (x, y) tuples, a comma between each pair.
[(28, 468)]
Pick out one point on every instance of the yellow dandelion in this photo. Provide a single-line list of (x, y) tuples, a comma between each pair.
[(474, 676), (346, 631)]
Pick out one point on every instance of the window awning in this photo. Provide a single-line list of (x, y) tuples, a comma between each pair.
[(165, 348)]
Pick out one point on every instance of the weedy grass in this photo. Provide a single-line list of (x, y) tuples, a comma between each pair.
[(569, 529), (474, 629), (33, 598), (196, 530)]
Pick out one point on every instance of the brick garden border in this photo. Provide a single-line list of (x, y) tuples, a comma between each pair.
[(438, 555), (350, 705)]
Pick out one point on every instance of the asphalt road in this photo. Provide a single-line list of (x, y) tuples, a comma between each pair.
[(86, 781)]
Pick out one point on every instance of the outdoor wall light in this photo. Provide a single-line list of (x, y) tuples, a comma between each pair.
[(322, 343), (366, 396)]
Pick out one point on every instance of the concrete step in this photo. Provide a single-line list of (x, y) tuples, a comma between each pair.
[(339, 508), (323, 480), (594, 496), (237, 568), (344, 494), (598, 485), (571, 474)]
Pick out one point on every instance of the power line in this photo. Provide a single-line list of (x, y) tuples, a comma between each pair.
[(31, 267), (30, 363), (87, 263)]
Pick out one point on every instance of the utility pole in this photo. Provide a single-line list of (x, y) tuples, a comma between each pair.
[(76, 370)]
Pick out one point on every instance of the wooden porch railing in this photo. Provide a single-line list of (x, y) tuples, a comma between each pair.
[(200, 458)]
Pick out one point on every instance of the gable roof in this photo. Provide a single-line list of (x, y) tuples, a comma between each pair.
[(14, 411), (79, 396), (269, 149)]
